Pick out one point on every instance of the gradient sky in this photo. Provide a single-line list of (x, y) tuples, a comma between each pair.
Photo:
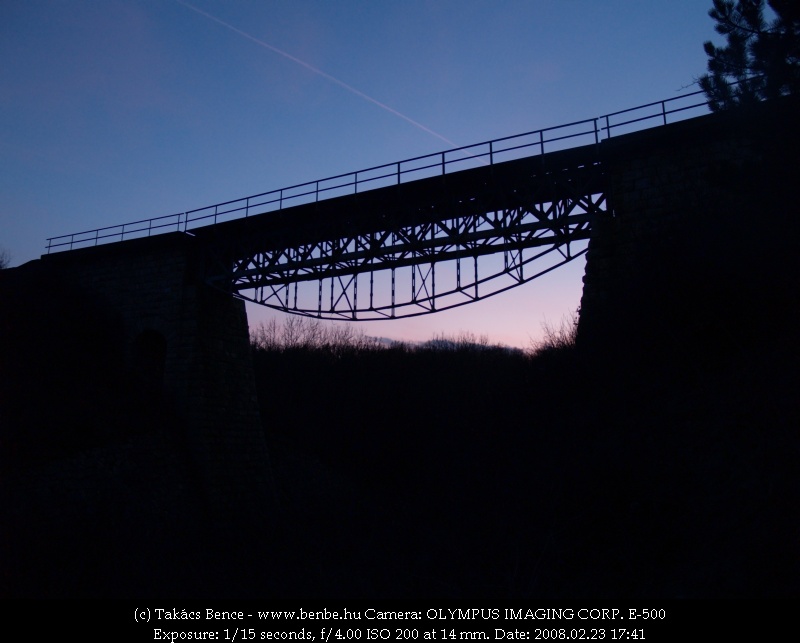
[(116, 110)]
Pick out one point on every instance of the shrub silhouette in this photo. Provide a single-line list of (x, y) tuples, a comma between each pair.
[(557, 338)]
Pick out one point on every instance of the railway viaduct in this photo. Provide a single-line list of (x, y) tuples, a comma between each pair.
[(673, 214)]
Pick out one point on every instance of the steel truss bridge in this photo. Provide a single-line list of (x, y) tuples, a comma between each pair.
[(413, 237)]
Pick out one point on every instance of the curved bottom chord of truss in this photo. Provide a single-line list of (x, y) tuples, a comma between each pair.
[(420, 269), (341, 295)]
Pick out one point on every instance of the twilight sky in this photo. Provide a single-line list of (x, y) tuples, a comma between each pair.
[(116, 110)]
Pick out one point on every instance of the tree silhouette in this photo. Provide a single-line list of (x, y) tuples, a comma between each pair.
[(761, 59)]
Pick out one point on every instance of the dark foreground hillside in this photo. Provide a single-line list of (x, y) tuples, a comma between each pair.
[(486, 474), (473, 473)]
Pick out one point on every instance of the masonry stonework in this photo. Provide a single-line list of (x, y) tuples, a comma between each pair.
[(156, 288), (703, 216)]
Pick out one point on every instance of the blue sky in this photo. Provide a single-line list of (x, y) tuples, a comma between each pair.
[(116, 110)]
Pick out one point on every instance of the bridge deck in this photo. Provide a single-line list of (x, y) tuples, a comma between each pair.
[(518, 183), (413, 245), (492, 153)]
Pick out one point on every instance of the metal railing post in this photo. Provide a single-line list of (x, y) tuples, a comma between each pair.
[(664, 112), (491, 153)]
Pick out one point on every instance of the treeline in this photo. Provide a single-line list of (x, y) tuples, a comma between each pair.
[(478, 471), (439, 468), (296, 333)]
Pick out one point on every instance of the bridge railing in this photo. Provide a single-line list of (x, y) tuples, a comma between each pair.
[(536, 142), (120, 232)]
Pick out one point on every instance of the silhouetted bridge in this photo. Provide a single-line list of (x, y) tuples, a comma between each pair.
[(674, 213), (411, 237)]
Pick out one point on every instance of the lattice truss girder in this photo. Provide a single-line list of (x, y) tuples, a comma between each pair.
[(417, 269)]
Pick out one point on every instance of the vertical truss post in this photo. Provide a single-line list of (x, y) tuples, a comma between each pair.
[(355, 295), (433, 286), (371, 289), (393, 291), (475, 261)]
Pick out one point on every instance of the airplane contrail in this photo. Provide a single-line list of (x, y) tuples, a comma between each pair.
[(319, 72)]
